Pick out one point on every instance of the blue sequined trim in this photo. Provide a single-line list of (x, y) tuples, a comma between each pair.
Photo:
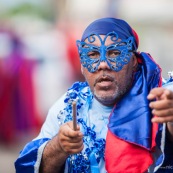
[(82, 161)]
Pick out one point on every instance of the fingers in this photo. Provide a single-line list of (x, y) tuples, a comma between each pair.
[(168, 94), (154, 93), (71, 145), (160, 93), (67, 130), (162, 108), (162, 116), (162, 119), (70, 141), (161, 104), (72, 148)]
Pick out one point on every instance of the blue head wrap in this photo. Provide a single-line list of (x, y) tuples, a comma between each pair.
[(104, 26)]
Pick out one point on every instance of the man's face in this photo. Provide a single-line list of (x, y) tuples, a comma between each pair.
[(109, 86)]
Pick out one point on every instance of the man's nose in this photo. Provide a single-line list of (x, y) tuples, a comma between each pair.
[(103, 65)]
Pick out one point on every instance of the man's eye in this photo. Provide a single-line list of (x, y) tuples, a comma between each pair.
[(113, 53), (93, 54), (122, 44)]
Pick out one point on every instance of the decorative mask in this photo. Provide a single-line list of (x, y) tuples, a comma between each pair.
[(116, 55)]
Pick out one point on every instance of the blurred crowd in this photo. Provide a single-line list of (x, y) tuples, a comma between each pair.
[(18, 112), (34, 71)]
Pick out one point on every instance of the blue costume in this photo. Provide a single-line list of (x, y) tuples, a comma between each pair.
[(129, 120), (94, 133)]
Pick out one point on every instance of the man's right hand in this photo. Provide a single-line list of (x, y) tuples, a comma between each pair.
[(66, 142), (70, 141)]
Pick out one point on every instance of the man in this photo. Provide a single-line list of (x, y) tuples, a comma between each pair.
[(124, 117)]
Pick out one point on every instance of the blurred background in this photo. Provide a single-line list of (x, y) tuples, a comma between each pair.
[(39, 60)]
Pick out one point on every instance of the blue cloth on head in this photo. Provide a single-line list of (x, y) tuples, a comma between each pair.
[(105, 25)]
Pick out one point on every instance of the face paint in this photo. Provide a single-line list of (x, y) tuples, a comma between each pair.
[(115, 55)]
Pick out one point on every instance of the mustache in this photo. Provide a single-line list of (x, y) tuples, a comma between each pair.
[(104, 77)]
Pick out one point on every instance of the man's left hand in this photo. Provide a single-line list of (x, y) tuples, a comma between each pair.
[(162, 107)]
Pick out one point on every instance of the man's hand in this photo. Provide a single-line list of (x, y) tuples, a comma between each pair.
[(70, 141), (162, 108), (66, 142)]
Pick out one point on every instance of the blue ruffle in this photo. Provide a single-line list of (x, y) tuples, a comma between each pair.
[(28, 156)]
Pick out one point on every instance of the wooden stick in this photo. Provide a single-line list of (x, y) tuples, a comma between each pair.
[(74, 115)]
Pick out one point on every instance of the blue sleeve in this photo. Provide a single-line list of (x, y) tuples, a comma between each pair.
[(168, 162), (26, 162), (30, 157), (167, 166), (167, 157)]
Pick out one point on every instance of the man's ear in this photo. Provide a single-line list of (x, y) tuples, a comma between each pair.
[(81, 67), (135, 61)]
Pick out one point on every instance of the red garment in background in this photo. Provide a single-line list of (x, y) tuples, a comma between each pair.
[(18, 112), (73, 58)]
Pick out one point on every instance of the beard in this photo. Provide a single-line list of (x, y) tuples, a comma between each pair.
[(111, 98)]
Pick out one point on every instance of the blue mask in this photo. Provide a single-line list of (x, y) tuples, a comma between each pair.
[(115, 55)]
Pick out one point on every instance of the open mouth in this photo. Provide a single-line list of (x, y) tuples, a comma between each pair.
[(104, 81)]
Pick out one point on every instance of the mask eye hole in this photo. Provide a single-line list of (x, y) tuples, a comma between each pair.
[(113, 53), (93, 54), (122, 44)]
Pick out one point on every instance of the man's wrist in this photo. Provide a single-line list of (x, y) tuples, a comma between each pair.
[(170, 130)]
